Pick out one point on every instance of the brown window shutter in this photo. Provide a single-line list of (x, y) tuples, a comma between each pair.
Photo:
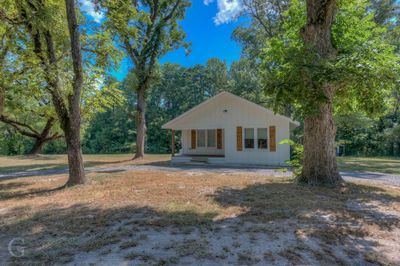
[(219, 138), (239, 141), (272, 138), (193, 140)]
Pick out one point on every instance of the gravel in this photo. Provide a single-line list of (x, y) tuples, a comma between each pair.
[(373, 177)]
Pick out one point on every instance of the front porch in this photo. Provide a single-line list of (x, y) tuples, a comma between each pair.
[(198, 158), (200, 145)]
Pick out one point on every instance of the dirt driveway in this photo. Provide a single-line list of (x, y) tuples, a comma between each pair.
[(368, 177)]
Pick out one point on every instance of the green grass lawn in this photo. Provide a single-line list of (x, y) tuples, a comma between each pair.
[(389, 165), (10, 164)]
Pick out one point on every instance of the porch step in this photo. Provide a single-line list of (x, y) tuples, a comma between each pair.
[(199, 159)]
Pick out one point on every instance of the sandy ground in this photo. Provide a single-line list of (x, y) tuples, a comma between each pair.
[(198, 215)]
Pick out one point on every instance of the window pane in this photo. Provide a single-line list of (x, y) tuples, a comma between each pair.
[(201, 138), (262, 138), (211, 139), (249, 138)]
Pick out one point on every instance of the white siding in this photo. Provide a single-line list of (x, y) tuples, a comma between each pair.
[(239, 115), (229, 112)]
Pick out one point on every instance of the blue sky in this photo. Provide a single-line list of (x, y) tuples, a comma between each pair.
[(208, 39), (208, 26)]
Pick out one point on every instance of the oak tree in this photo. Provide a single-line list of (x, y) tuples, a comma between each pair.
[(23, 105), (329, 54), (146, 30), (51, 46)]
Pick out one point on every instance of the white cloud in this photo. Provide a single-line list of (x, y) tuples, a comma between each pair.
[(207, 2), (88, 7), (228, 10)]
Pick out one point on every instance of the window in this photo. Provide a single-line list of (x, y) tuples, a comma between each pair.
[(262, 138), (249, 138), (201, 138), (211, 138)]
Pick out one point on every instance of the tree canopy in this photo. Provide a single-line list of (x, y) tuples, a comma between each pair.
[(364, 70), (146, 30)]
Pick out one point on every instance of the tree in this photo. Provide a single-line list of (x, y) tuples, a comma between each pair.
[(267, 18), (2, 99), (4, 50), (111, 130), (364, 134), (175, 90), (71, 121), (320, 166), (246, 82), (385, 11), (332, 60), (146, 30), (43, 23), (50, 42), (216, 76), (41, 137), (24, 107)]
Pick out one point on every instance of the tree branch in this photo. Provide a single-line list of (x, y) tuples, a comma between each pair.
[(22, 128), (54, 137), (133, 54), (169, 16)]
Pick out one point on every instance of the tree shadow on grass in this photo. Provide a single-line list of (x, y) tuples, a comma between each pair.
[(30, 169), (37, 157), (281, 222), (17, 190), (11, 172), (56, 235), (12, 185), (11, 193), (330, 223)]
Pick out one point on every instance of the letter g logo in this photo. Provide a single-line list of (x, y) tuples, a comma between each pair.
[(16, 247)]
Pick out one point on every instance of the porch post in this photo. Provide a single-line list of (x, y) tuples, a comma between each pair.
[(173, 142)]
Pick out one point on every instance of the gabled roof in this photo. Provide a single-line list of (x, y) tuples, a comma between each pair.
[(171, 123)]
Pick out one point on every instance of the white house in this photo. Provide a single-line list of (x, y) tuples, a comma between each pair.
[(229, 129)]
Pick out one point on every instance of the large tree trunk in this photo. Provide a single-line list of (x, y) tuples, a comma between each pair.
[(38, 146), (40, 142), (69, 115), (43, 137), (140, 122), (75, 161), (320, 166), (72, 132)]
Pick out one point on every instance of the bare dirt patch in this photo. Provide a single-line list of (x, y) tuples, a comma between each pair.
[(165, 218)]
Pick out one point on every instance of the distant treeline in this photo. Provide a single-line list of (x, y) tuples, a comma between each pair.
[(177, 89)]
